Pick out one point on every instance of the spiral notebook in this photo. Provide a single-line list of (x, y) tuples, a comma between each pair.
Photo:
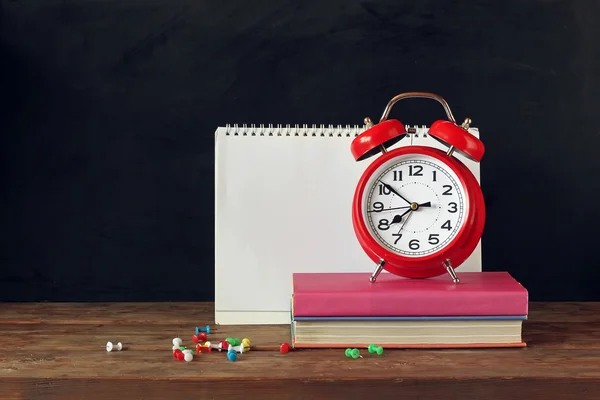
[(283, 197)]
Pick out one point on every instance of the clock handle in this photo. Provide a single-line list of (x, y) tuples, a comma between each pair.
[(423, 95)]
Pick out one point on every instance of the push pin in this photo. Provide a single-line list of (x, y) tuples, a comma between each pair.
[(207, 330), (203, 348), (373, 348), (178, 355), (177, 342), (242, 348), (233, 341), (221, 345), (354, 353), (201, 337), (187, 355), (284, 348), (231, 355), (110, 346)]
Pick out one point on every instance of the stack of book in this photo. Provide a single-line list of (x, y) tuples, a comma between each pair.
[(342, 310)]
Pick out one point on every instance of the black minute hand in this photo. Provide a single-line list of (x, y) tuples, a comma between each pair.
[(391, 189)]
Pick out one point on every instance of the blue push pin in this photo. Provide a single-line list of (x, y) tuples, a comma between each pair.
[(232, 355), (207, 330)]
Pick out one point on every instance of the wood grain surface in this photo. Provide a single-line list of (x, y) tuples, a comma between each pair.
[(56, 350)]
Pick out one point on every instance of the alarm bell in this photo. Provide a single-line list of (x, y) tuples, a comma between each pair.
[(378, 137), (458, 138)]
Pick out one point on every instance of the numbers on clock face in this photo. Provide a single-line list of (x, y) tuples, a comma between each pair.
[(428, 183)]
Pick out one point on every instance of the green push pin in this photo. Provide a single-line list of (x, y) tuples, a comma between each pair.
[(354, 353), (236, 342), (373, 348)]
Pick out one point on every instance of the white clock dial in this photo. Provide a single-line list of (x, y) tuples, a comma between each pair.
[(410, 180)]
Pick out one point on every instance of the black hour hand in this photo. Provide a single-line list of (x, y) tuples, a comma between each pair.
[(398, 218)]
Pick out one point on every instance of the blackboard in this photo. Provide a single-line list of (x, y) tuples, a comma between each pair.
[(108, 112)]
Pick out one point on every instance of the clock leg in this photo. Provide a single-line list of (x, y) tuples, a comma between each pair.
[(377, 271), (451, 271)]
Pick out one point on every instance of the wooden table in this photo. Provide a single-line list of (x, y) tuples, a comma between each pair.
[(58, 351)]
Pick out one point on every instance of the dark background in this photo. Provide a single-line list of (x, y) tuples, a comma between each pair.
[(108, 112)]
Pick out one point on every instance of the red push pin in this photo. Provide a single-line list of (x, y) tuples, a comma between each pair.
[(203, 348), (201, 337), (284, 348), (221, 345), (178, 355)]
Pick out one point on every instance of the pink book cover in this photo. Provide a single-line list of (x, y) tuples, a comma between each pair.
[(353, 295), (413, 346)]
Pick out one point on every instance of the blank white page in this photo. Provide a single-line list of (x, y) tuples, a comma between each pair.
[(283, 205)]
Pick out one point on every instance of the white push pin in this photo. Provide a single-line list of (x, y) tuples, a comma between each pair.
[(217, 347), (187, 355), (221, 345), (110, 346), (177, 342), (240, 349)]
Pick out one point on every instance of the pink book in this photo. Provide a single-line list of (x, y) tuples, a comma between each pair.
[(352, 295)]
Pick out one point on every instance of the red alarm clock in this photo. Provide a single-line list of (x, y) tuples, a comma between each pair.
[(418, 211)]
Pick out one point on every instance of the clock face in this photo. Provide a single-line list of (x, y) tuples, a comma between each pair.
[(414, 205)]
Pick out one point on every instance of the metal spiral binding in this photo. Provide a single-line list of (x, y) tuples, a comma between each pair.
[(313, 130)]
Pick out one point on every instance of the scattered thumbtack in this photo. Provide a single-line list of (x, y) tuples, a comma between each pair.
[(178, 355), (203, 348), (221, 345), (240, 346), (207, 330), (231, 355), (239, 349), (177, 342), (354, 353), (373, 348), (284, 348), (201, 337), (187, 355), (110, 346)]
